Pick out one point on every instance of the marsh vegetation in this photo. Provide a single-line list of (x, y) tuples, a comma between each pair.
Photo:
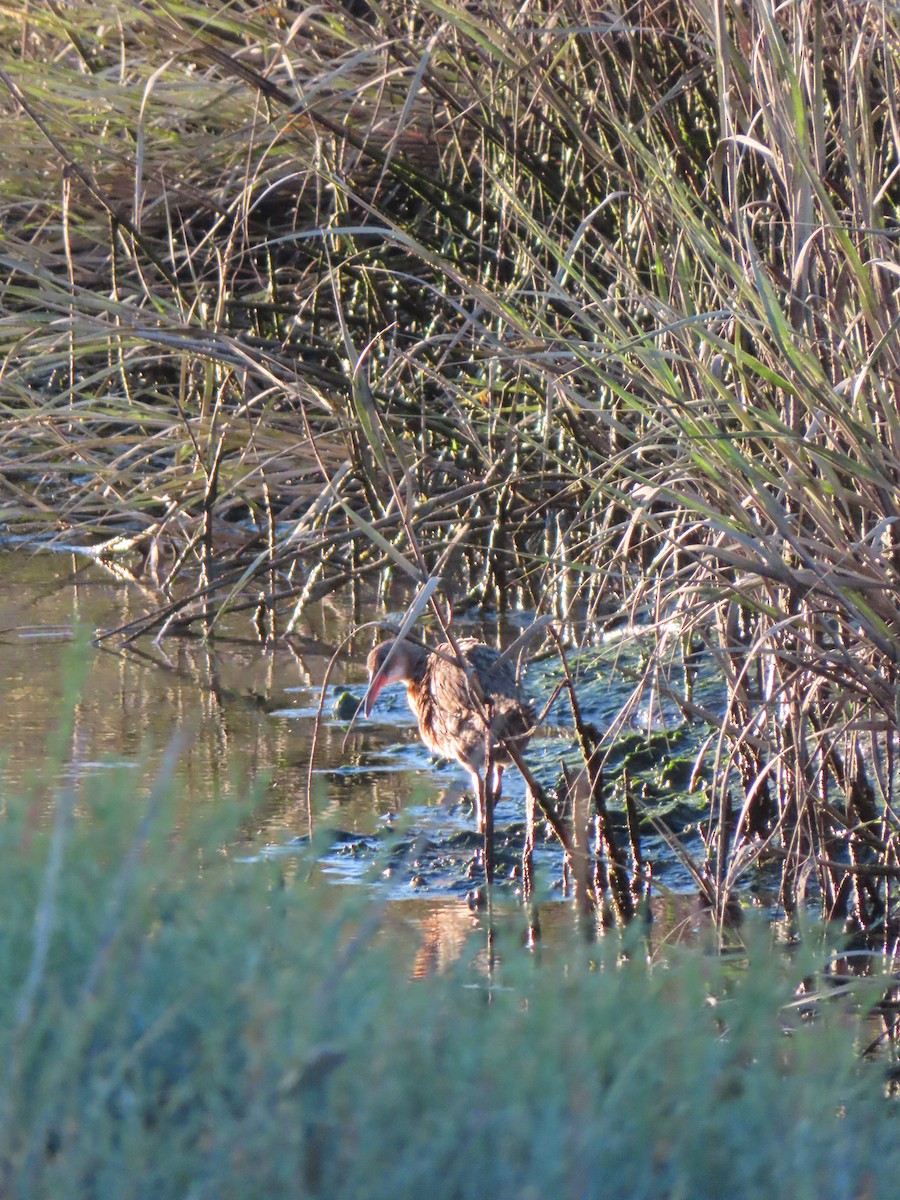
[(586, 310), (561, 310), (174, 1023)]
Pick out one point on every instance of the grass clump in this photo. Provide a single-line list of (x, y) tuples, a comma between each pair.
[(174, 1023)]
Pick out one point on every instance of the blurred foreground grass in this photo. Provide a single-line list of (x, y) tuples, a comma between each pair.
[(177, 1024)]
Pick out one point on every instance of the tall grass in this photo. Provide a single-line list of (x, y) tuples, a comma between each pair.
[(175, 1023), (590, 309)]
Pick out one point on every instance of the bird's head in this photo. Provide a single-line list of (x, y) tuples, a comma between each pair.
[(389, 662)]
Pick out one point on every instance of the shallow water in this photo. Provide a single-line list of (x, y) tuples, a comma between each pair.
[(399, 821), (242, 708)]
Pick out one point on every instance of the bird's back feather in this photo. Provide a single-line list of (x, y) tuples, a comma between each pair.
[(447, 706)]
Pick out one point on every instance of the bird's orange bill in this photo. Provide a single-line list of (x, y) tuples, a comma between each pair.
[(376, 683)]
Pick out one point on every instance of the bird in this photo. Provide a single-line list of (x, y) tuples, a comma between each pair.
[(453, 718)]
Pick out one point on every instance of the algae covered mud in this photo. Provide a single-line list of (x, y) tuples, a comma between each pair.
[(381, 811)]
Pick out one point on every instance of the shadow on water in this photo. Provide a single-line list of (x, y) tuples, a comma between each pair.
[(399, 821)]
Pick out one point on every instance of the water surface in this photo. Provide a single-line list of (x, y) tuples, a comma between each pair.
[(246, 713)]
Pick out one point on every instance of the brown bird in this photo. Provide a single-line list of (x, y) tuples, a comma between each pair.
[(449, 709)]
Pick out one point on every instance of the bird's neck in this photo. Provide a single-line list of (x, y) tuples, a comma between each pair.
[(416, 664)]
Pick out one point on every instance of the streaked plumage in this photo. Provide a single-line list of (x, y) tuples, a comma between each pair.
[(446, 707)]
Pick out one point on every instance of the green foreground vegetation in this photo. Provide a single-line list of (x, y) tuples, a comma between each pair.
[(175, 1023)]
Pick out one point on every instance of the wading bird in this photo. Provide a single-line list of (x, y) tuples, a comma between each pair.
[(457, 705)]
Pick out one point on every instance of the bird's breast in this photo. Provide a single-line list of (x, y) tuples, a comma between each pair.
[(438, 724)]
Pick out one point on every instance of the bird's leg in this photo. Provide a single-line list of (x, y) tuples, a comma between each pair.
[(478, 786), (486, 802), (528, 847), (490, 792), (534, 924)]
